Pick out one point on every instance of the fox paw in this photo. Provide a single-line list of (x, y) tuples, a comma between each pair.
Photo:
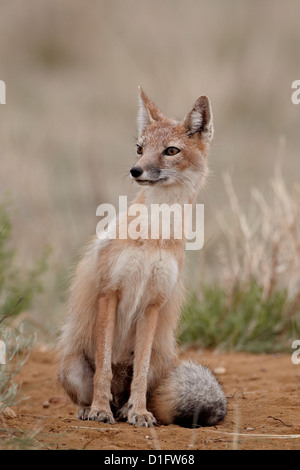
[(145, 419), (83, 413), (101, 416), (122, 414)]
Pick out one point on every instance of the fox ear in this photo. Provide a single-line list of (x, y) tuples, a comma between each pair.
[(200, 119), (147, 113)]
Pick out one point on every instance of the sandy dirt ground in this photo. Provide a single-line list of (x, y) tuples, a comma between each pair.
[(263, 394)]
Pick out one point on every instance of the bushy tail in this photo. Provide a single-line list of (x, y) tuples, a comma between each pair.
[(189, 396)]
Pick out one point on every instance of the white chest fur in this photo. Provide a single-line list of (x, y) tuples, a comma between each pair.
[(141, 277)]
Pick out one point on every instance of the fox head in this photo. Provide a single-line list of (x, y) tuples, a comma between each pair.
[(171, 152)]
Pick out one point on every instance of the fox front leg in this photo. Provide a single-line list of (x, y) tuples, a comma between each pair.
[(105, 326), (135, 410)]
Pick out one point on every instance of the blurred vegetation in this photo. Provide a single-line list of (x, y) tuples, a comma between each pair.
[(245, 321), (255, 303), (18, 288), (18, 348)]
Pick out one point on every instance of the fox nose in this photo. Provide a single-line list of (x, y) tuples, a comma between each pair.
[(136, 171)]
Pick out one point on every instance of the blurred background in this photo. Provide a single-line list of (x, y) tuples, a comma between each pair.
[(67, 133)]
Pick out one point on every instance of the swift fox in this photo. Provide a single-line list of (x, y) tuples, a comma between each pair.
[(118, 351)]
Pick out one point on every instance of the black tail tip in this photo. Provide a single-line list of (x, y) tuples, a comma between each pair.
[(205, 415)]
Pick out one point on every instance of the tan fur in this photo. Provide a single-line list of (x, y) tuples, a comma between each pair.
[(126, 295)]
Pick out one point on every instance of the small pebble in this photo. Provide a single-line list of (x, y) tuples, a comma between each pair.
[(8, 413), (220, 370)]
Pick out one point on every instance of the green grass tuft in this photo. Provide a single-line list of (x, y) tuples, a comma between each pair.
[(17, 286), (243, 321)]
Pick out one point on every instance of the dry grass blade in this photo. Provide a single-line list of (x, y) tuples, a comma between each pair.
[(254, 435), (266, 245)]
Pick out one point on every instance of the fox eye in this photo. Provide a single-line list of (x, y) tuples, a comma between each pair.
[(171, 151), (139, 149)]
